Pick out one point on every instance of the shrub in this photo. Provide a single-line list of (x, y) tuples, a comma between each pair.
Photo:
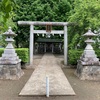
[(1, 51), (74, 56), (21, 52), (98, 53)]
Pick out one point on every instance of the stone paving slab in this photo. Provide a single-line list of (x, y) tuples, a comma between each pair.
[(36, 85)]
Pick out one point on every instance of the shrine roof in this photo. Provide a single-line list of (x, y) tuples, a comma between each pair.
[(48, 40)]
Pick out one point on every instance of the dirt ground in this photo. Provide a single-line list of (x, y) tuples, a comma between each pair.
[(85, 90)]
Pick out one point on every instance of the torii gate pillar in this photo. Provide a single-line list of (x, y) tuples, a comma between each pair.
[(31, 45), (65, 45)]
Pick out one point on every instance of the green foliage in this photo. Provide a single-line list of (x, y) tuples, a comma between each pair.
[(1, 51), (1, 41), (6, 14), (42, 10), (74, 41), (74, 56), (98, 53), (86, 14), (39, 10), (22, 53), (6, 6)]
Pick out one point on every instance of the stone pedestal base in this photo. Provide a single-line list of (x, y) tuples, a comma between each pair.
[(12, 72), (88, 72)]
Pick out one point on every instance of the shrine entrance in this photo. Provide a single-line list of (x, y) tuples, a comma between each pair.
[(48, 45), (48, 31)]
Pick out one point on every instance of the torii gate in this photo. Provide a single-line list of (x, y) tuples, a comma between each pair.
[(32, 31)]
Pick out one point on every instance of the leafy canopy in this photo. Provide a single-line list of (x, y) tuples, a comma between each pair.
[(86, 13)]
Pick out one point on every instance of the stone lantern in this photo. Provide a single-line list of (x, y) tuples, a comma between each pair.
[(88, 66), (10, 67)]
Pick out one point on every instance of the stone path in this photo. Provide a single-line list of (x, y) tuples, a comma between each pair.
[(36, 85)]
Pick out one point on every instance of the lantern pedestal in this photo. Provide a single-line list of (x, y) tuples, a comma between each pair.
[(88, 67), (12, 72), (88, 72)]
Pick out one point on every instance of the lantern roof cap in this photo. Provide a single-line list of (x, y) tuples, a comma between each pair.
[(89, 33), (9, 32)]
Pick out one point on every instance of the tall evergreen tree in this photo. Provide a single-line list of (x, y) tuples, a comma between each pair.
[(39, 10)]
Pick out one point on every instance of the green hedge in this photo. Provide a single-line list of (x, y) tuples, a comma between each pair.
[(1, 51), (98, 53), (22, 53), (74, 56)]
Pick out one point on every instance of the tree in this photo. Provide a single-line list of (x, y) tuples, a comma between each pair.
[(6, 15), (39, 10), (86, 13), (6, 12)]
